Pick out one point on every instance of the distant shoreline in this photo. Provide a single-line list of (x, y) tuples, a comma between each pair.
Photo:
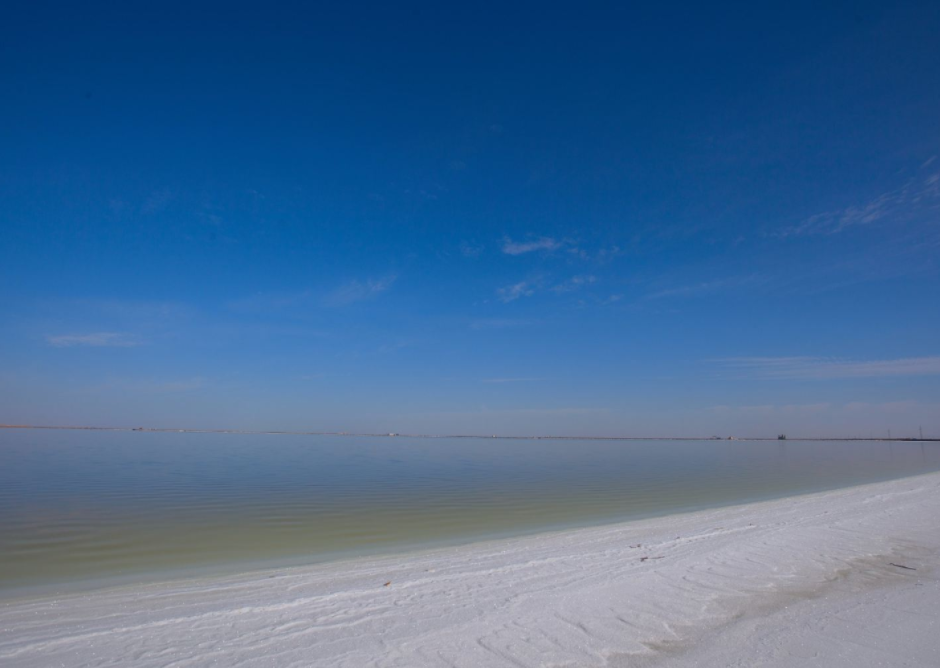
[(488, 436)]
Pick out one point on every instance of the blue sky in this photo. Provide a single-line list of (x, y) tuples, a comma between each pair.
[(517, 218)]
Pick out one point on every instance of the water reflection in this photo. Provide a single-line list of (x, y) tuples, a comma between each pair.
[(81, 505)]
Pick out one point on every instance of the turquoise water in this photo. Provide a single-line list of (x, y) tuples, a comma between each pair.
[(85, 508)]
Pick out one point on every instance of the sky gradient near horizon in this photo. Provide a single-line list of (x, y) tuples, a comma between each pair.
[(513, 218)]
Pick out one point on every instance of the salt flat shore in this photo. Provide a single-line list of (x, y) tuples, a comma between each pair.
[(843, 578)]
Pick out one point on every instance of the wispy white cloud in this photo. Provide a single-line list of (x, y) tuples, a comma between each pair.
[(511, 247), (600, 256), (529, 287), (96, 339), (356, 291), (824, 368), (574, 283), (513, 292), (705, 287), (300, 301), (899, 203), (689, 290)]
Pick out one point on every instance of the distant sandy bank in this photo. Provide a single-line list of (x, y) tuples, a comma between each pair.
[(843, 578)]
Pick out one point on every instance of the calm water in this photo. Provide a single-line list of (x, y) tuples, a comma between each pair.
[(88, 508)]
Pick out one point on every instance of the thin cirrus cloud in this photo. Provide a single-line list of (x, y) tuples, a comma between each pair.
[(511, 247), (900, 203), (527, 288), (824, 368), (357, 291), (348, 293), (95, 340), (574, 283), (706, 287), (511, 293)]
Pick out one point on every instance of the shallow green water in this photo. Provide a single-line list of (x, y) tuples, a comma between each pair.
[(83, 508)]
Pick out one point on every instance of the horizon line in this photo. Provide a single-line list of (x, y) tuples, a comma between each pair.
[(533, 437)]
